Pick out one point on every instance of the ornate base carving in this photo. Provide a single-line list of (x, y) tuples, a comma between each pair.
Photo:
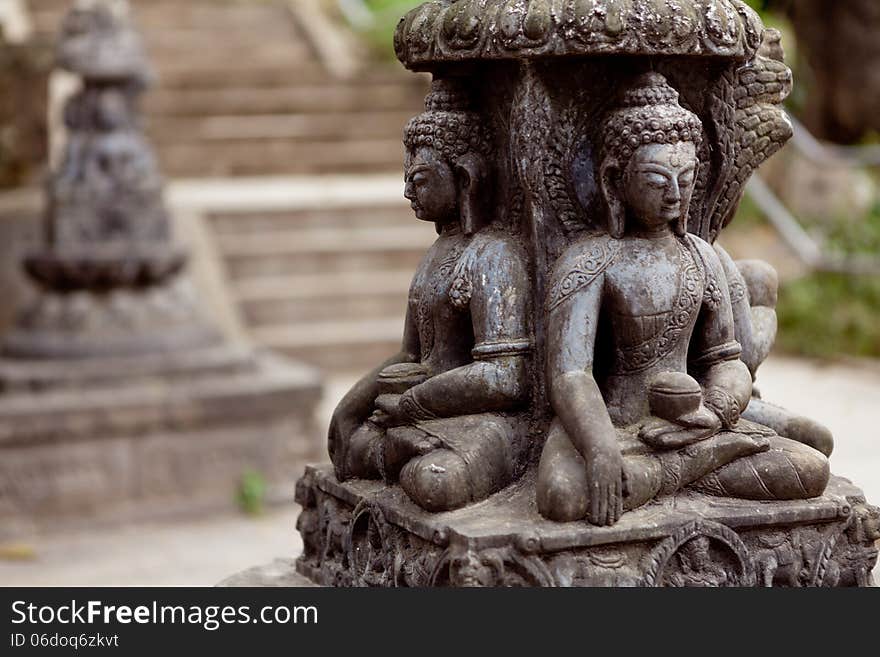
[(365, 533)]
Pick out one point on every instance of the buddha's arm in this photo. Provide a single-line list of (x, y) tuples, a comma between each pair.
[(574, 394), (498, 377), (728, 390), (359, 402), (740, 305), (715, 352), (754, 319), (578, 403), (494, 384)]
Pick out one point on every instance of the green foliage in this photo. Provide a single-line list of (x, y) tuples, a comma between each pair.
[(760, 6), (386, 13), (397, 5), (251, 494), (857, 236), (823, 314), (748, 216), (826, 314)]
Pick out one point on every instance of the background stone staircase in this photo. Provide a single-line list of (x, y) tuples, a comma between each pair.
[(325, 286), (242, 92)]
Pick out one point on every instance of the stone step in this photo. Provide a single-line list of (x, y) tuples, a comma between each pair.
[(390, 214), (306, 127), (280, 156), (241, 51), (337, 296), (246, 197), (295, 241), (157, 15), (338, 260), (241, 93), (243, 73), (203, 39), (330, 96), (208, 14), (354, 305), (212, 36), (183, 74), (241, 57), (324, 251), (337, 346)]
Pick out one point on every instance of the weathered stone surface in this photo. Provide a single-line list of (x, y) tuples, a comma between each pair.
[(363, 533), (443, 31), (125, 439), (573, 400)]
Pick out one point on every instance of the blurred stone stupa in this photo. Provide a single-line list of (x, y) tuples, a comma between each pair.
[(120, 397)]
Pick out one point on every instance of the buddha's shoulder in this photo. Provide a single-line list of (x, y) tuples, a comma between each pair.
[(587, 253), (495, 251), (580, 265), (706, 252)]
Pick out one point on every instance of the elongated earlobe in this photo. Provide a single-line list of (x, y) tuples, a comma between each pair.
[(609, 181), (471, 174), (681, 226)]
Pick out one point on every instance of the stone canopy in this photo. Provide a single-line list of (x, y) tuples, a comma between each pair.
[(464, 30)]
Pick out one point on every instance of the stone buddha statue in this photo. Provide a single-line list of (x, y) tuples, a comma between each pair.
[(644, 372), (444, 417)]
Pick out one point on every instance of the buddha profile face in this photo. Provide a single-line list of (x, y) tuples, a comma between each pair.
[(649, 163), (431, 187), (446, 154)]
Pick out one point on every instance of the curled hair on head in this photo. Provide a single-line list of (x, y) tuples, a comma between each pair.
[(448, 124), (648, 113), (459, 135)]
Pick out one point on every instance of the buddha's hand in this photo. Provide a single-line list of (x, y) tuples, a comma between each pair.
[(389, 412), (685, 430), (724, 405), (605, 484)]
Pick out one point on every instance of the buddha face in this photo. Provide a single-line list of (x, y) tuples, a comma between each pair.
[(658, 183), (431, 186)]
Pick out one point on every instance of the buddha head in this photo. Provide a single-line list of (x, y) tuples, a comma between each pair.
[(649, 159), (447, 147)]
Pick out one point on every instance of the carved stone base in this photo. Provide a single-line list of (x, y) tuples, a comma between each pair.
[(115, 323), (91, 441), (365, 533)]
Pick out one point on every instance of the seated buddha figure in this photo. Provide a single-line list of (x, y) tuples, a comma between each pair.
[(644, 372), (443, 417)]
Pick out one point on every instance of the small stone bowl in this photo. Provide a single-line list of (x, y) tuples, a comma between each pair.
[(672, 395), (397, 379)]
